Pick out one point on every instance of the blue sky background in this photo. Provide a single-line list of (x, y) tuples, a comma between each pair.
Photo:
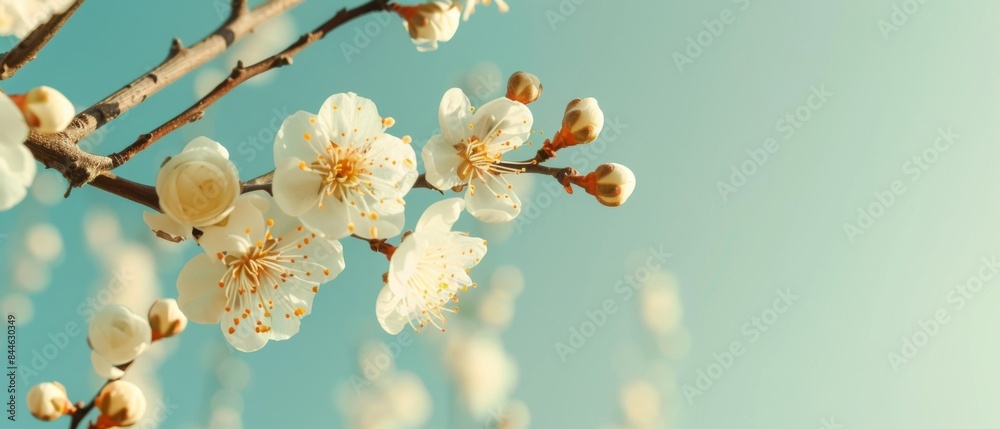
[(682, 130)]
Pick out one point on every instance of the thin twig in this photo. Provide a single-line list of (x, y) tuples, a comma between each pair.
[(241, 74), (27, 49)]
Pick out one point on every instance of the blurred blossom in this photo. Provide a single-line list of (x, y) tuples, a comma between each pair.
[(515, 415), (30, 275), (640, 402), (225, 418), (496, 309), (509, 278), (483, 370), (229, 399), (44, 242), (398, 400), (233, 373), (268, 39), (373, 354), (48, 187), (483, 82), (677, 345), (660, 304), (19, 305), (100, 227), (206, 80)]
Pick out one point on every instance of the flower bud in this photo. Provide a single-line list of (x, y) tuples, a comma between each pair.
[(614, 184), (48, 401), (118, 334), (199, 186), (582, 122), (166, 319), (430, 23), (121, 402), (47, 110), (524, 87)]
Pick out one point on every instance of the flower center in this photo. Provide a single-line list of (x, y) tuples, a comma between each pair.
[(341, 168), (477, 161)]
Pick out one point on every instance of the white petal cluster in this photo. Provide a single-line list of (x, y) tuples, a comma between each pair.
[(484, 372), (196, 188), (471, 146), (48, 401), (428, 270), (121, 403), (340, 172), (470, 7), (166, 318), (118, 335), (259, 275)]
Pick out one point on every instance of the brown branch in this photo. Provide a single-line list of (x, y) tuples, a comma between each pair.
[(241, 74), (26, 50), (79, 167)]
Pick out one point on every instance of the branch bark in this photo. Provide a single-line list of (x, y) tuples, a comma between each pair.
[(26, 50), (242, 74)]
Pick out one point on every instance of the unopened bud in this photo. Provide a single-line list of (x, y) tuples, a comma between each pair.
[(430, 23), (524, 87), (166, 319), (121, 403), (615, 183), (582, 122), (47, 110), (48, 401), (118, 334)]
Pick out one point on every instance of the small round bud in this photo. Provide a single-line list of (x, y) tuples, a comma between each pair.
[(615, 183), (121, 402), (47, 110), (48, 401), (582, 122), (524, 87), (166, 319), (118, 334)]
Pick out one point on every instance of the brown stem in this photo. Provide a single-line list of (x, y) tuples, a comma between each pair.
[(26, 50), (241, 74), (380, 246)]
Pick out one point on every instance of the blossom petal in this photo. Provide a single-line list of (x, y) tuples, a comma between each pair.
[(296, 190), (491, 201), (331, 219), (387, 311), (17, 171), (13, 129), (300, 136), (233, 235), (166, 227), (503, 124), (207, 144), (104, 368), (440, 216), (455, 115), (442, 161), (350, 118), (199, 295)]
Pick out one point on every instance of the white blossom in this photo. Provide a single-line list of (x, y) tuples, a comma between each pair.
[(470, 7), (340, 172), (428, 269), (259, 275), (121, 402), (615, 183), (166, 318), (47, 110), (17, 165), (469, 149), (48, 401), (430, 23), (118, 334), (196, 188)]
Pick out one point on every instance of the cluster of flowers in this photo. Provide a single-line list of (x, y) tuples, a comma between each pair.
[(339, 173), (117, 336)]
